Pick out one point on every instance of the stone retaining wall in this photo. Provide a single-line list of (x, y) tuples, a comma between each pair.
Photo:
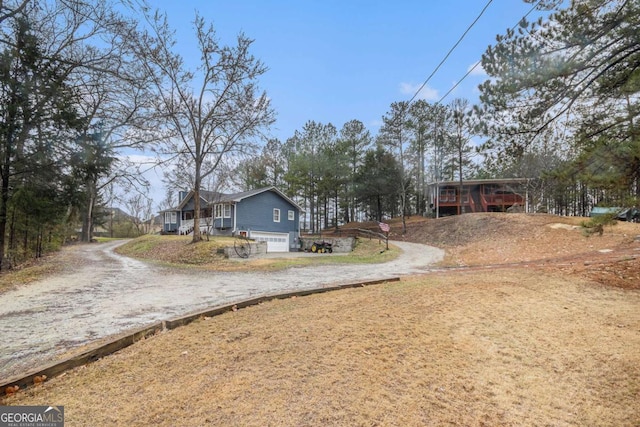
[(340, 244), (257, 249)]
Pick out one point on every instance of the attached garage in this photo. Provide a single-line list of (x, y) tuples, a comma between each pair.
[(276, 242)]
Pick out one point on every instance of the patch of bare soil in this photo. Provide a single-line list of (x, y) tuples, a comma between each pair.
[(532, 323), (552, 243), (32, 270)]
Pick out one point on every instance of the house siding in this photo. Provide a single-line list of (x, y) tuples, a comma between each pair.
[(190, 205), (223, 226), (256, 214), (252, 212)]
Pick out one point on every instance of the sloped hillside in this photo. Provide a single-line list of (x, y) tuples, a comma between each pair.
[(553, 242)]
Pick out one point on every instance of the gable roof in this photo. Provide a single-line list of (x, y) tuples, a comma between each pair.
[(212, 197), (238, 197)]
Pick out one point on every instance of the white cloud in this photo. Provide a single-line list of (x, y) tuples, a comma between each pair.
[(427, 93), (476, 69)]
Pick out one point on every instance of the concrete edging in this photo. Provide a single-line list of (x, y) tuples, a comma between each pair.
[(131, 337)]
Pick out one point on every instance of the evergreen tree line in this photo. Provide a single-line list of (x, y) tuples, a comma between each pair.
[(559, 107), (346, 175)]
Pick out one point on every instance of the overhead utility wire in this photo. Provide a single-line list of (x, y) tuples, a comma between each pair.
[(478, 63), (450, 51)]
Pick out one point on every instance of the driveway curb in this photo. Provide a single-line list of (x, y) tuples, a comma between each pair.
[(130, 338)]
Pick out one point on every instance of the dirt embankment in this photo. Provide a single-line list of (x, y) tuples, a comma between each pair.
[(550, 242)]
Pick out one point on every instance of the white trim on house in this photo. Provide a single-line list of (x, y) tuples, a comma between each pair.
[(170, 217), (235, 221), (276, 215), (221, 210)]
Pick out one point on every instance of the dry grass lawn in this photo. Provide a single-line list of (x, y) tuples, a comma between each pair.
[(179, 251), (532, 345)]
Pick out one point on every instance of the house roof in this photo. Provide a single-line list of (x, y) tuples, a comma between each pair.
[(210, 197), (482, 181), (238, 197), (205, 196)]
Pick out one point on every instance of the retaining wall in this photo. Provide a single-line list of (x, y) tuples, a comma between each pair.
[(339, 244), (257, 249)]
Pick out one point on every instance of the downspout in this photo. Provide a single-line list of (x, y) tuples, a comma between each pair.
[(235, 224)]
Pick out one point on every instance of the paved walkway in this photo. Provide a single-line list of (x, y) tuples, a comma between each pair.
[(110, 293)]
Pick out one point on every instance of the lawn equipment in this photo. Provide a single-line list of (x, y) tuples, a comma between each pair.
[(321, 247)]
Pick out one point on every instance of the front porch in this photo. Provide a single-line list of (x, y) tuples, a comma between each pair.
[(187, 226)]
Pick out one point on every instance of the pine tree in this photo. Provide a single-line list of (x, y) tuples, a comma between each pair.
[(580, 71)]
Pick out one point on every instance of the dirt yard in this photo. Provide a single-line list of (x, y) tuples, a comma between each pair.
[(548, 242), (532, 324)]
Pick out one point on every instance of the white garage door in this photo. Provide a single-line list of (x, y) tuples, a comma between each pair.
[(276, 242)]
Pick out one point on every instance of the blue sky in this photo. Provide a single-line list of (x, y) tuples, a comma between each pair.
[(334, 61)]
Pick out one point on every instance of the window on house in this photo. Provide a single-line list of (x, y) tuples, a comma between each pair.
[(291, 216), (227, 211), (218, 211), (170, 217), (276, 215)]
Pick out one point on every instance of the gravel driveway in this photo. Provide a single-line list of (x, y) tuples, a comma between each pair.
[(111, 293)]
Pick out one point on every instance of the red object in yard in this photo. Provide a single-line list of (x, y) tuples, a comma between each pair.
[(384, 227)]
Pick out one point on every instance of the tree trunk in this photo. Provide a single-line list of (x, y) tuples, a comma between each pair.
[(25, 240), (196, 213), (404, 219), (336, 209), (87, 221), (4, 199), (12, 230), (460, 173), (312, 211), (6, 173)]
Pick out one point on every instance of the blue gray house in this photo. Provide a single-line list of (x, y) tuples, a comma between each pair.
[(265, 214)]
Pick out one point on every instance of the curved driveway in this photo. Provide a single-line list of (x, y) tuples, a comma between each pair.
[(113, 293)]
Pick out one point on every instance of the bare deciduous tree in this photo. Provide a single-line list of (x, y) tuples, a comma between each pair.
[(140, 208), (212, 111)]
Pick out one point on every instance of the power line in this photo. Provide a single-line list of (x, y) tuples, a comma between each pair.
[(450, 51), (478, 63)]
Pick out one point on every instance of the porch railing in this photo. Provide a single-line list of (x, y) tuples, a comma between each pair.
[(187, 225)]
